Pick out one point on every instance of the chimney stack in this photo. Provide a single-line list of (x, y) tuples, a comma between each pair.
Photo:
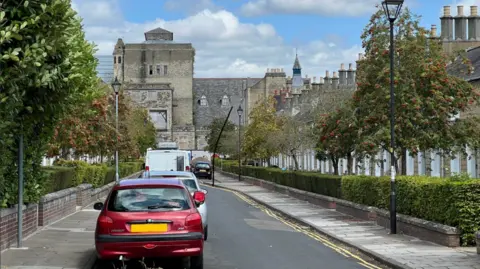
[(474, 24), (447, 24), (335, 80), (342, 74), (460, 25), (350, 75), (433, 31), (327, 79)]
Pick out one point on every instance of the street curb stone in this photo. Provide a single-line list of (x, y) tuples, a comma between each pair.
[(378, 257)]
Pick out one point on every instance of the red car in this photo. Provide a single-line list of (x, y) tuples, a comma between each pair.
[(150, 218)]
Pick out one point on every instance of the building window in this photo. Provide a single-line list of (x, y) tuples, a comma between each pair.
[(165, 70), (159, 69), (225, 101), (159, 119), (203, 101), (119, 59), (114, 60), (150, 69)]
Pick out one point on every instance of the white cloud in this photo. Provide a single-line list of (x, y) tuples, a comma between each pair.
[(225, 46), (319, 7)]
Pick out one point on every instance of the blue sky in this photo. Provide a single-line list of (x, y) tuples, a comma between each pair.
[(236, 38)]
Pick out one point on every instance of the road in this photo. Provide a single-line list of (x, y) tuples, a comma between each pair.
[(242, 236)]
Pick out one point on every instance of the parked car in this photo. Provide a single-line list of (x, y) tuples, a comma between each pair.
[(203, 170), (192, 184), (151, 218)]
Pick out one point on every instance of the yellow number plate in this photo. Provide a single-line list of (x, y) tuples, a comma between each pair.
[(149, 228), (203, 170)]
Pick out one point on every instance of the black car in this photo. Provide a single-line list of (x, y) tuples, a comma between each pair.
[(202, 170)]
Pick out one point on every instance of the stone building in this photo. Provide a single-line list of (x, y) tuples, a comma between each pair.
[(213, 99), (299, 95), (158, 75)]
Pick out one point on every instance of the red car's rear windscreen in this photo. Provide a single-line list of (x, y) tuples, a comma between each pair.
[(148, 199)]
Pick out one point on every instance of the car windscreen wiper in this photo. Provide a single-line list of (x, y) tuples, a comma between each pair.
[(163, 206)]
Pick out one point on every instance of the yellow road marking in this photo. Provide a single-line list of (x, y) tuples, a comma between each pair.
[(304, 230)]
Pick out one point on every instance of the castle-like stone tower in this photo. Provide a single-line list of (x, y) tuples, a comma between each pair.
[(158, 75)]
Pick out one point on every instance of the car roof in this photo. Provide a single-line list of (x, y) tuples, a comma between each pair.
[(171, 173), (151, 181)]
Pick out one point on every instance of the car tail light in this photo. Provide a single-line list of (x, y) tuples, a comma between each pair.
[(187, 168), (147, 168), (194, 219), (104, 223)]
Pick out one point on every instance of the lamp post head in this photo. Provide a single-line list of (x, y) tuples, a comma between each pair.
[(392, 8), (116, 85), (239, 110)]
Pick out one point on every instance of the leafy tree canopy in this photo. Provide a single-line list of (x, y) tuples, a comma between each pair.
[(224, 144), (264, 124), (426, 96), (46, 66)]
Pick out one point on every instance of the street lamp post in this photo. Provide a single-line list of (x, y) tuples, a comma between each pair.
[(116, 88), (239, 112), (392, 10)]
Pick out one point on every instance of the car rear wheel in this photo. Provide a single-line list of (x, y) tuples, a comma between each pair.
[(196, 262), (205, 233)]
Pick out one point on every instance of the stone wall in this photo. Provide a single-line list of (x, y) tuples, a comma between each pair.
[(51, 208)]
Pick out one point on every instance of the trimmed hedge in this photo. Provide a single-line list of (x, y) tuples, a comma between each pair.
[(451, 201), (67, 174), (329, 185)]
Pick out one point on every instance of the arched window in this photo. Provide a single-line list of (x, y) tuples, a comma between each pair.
[(225, 101), (203, 101)]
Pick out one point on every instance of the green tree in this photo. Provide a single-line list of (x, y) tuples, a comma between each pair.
[(292, 136), (224, 144), (46, 66), (338, 136), (141, 129), (258, 143), (426, 96)]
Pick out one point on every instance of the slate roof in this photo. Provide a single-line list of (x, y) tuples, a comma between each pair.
[(458, 69), (158, 31), (296, 64)]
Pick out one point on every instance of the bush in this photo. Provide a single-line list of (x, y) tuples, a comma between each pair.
[(451, 201), (67, 174), (328, 185)]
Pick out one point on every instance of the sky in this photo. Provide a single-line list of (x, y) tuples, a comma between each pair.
[(242, 38)]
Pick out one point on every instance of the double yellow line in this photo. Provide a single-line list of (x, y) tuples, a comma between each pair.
[(304, 230)]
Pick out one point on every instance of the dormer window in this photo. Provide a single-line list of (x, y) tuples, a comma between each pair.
[(225, 101), (203, 101)]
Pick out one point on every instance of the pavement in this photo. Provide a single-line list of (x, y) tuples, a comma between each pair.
[(396, 251), (242, 235)]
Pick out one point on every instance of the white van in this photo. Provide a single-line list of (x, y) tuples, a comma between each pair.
[(167, 160)]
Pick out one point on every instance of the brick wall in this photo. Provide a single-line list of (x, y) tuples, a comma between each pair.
[(8, 224), (57, 205)]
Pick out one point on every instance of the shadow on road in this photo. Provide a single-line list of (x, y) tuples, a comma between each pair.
[(139, 264)]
